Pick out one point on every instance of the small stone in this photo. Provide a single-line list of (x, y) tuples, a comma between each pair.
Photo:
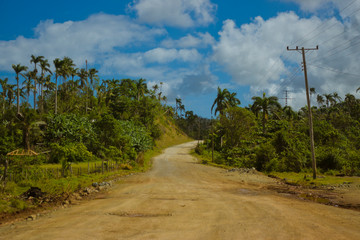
[(31, 218)]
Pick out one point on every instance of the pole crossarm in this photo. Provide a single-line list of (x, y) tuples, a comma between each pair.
[(299, 49)]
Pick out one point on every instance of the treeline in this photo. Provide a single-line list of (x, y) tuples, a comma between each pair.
[(269, 137), (70, 115), (193, 125)]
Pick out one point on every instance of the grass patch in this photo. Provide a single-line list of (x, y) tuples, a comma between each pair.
[(206, 159), (305, 179)]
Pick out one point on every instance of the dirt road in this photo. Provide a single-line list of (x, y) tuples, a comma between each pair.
[(180, 199)]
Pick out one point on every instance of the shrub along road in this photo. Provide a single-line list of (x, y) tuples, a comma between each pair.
[(180, 199)]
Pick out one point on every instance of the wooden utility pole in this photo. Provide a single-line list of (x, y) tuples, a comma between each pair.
[(312, 145)]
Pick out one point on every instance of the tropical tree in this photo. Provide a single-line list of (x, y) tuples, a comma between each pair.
[(4, 85), (336, 97), (58, 66), (221, 101), (329, 99), (232, 101), (35, 60), (45, 68), (27, 83), (265, 105), (178, 103), (18, 69), (320, 100), (141, 88)]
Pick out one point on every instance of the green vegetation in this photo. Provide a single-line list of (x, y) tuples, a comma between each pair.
[(77, 130), (305, 179), (271, 138)]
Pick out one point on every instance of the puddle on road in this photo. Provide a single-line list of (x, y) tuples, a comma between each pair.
[(175, 199), (314, 198), (140, 215), (244, 191)]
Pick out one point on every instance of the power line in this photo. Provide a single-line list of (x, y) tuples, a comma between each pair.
[(334, 70), (321, 25)]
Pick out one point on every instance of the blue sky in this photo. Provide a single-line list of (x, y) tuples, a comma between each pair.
[(193, 46)]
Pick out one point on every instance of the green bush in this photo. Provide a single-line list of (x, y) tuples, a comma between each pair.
[(73, 152), (264, 154), (351, 164)]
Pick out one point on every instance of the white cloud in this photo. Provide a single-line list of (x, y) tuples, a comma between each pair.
[(346, 7), (98, 35), (163, 55), (255, 54), (176, 13), (311, 5), (201, 40)]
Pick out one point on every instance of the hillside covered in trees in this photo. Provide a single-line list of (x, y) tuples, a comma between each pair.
[(270, 137), (71, 116)]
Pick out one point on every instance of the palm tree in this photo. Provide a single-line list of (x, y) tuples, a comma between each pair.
[(83, 75), (93, 76), (312, 92), (141, 88), (329, 99), (336, 97), (10, 93), (320, 100), (57, 63), (266, 105), (45, 67), (18, 69), (28, 86), (35, 59), (232, 101), (221, 101), (66, 67), (178, 104), (4, 86), (289, 113)]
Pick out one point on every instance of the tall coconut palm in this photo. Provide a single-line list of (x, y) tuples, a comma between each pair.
[(178, 104), (10, 93), (141, 88), (221, 101), (27, 83), (45, 68), (329, 99), (35, 60), (232, 100), (58, 65), (83, 77), (336, 97), (265, 105), (4, 85), (18, 69), (66, 68)]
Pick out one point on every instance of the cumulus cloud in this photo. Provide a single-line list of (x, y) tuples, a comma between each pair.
[(311, 5), (176, 13), (345, 7), (199, 40), (98, 35), (163, 55), (255, 54)]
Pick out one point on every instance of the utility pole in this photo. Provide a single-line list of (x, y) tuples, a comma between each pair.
[(308, 103), (286, 97)]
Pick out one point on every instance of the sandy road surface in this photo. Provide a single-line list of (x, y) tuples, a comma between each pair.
[(179, 199)]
